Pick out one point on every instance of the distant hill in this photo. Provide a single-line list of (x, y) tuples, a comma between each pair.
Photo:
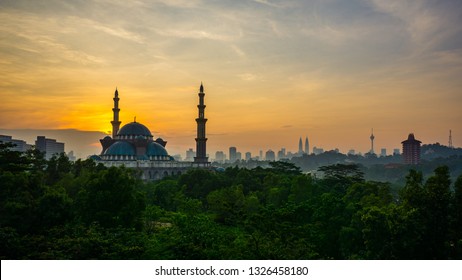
[(432, 151)]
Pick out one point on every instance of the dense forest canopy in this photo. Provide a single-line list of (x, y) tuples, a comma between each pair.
[(58, 209)]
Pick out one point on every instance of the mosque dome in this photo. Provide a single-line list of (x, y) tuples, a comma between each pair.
[(121, 148), (95, 157), (155, 149), (134, 129)]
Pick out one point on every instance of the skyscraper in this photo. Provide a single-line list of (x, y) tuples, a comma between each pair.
[(190, 154), (49, 146), (307, 146), (300, 146), (270, 156), (220, 156), (411, 150), (232, 154), (19, 145), (201, 156)]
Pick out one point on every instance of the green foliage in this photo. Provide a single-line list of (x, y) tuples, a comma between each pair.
[(227, 204), (285, 168), (58, 209), (456, 222), (111, 200)]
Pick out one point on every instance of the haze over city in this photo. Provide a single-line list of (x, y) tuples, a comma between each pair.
[(273, 71)]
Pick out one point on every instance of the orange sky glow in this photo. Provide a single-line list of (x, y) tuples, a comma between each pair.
[(273, 71)]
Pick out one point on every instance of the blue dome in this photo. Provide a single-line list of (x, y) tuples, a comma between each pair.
[(121, 148), (95, 157), (134, 129), (155, 149)]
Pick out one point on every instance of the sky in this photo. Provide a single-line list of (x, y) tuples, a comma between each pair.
[(273, 71)]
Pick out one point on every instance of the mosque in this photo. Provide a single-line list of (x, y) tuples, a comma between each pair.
[(134, 146)]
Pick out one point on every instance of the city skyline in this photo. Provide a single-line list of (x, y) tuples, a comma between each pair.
[(274, 71)]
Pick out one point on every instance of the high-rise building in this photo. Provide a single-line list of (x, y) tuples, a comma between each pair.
[(307, 146), (282, 154), (232, 154), (351, 152), (238, 156), (220, 156), (270, 156), (411, 150), (19, 145), (300, 146), (201, 156), (71, 156), (396, 152), (49, 146), (317, 151), (190, 154), (383, 152), (261, 154), (248, 156)]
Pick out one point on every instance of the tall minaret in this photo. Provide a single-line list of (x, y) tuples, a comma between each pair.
[(115, 122), (307, 146), (372, 142), (201, 156)]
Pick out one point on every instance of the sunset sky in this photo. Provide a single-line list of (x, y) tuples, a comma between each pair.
[(273, 71)]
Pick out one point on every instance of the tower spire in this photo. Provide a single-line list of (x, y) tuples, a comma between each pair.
[(300, 146), (115, 122), (372, 141), (307, 146), (201, 155)]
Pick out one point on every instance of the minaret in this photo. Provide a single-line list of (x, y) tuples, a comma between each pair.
[(307, 146), (115, 122), (450, 140), (201, 156), (372, 141), (300, 146)]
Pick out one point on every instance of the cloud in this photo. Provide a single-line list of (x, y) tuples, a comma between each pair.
[(118, 32), (267, 3), (247, 76), (238, 51), (428, 24)]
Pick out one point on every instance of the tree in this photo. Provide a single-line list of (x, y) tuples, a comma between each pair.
[(111, 199), (198, 183), (12, 161), (438, 193), (284, 167), (54, 207), (57, 167), (376, 232), (338, 177), (346, 172), (227, 204), (457, 219)]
